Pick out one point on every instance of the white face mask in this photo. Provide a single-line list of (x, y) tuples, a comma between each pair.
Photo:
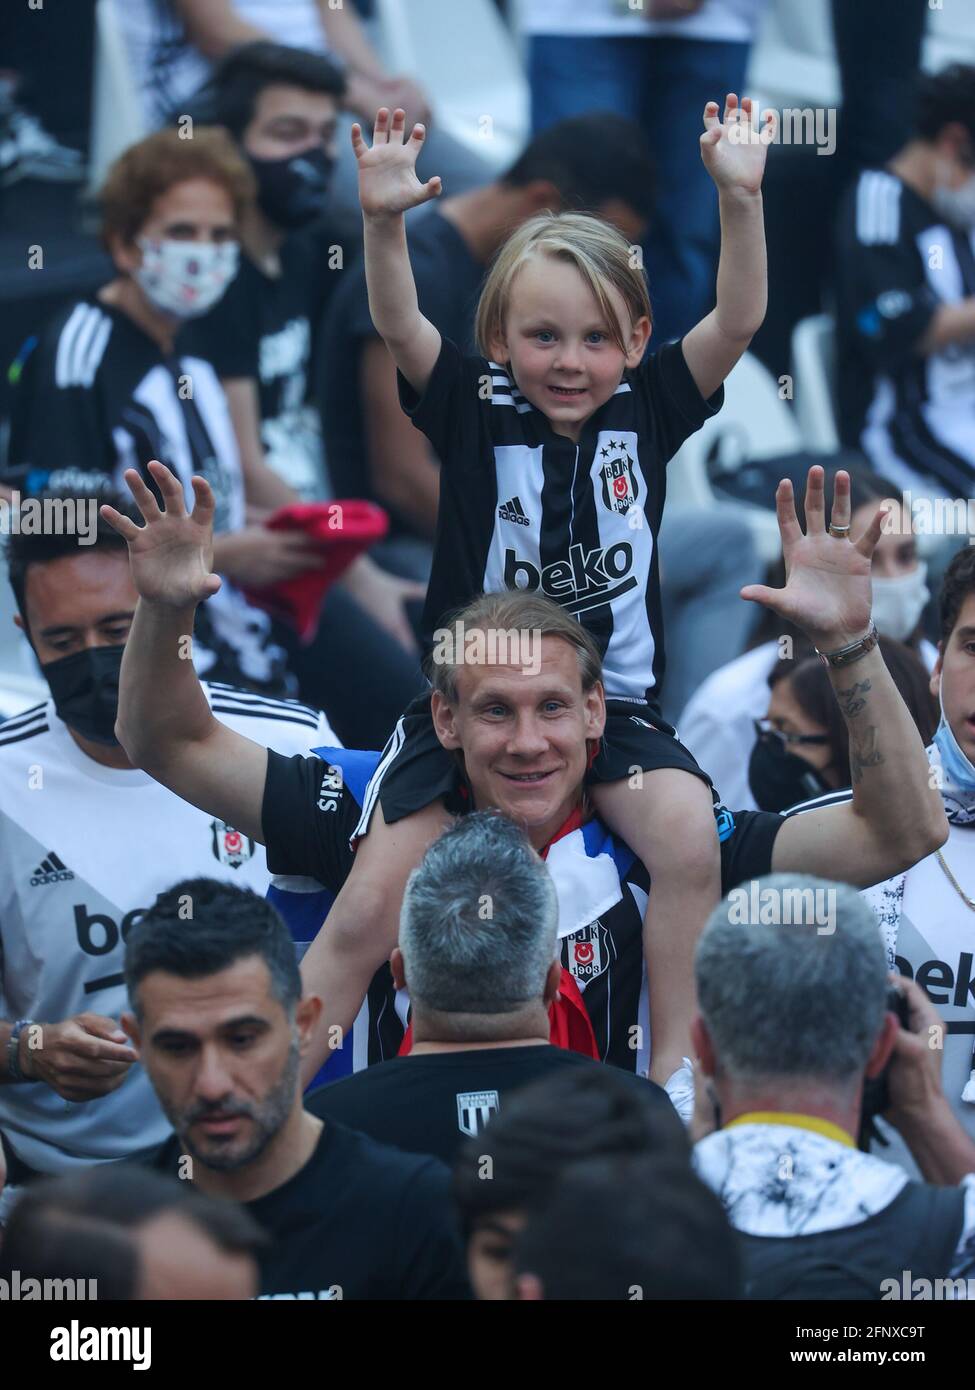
[(898, 603), (956, 205), (186, 278)]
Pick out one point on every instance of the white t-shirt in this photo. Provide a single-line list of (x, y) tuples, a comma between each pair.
[(168, 69), (936, 947), (717, 722), (84, 848), (734, 20)]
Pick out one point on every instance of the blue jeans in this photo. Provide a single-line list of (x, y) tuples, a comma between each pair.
[(662, 84)]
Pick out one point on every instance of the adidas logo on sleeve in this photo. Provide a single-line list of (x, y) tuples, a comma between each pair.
[(50, 870)]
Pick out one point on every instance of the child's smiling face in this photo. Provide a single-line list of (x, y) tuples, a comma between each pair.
[(558, 345)]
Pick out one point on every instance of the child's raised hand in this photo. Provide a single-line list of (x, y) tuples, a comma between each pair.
[(734, 151), (387, 173)]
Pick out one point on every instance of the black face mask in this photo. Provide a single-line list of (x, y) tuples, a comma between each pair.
[(778, 778), (292, 192), (84, 687)]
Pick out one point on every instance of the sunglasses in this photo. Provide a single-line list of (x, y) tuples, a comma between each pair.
[(764, 728)]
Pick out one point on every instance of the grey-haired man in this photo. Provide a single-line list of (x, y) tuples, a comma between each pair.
[(477, 949), (794, 1021)]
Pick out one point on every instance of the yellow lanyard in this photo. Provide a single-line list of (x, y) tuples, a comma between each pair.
[(782, 1117)]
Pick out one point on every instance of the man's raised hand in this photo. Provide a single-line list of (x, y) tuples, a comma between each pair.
[(827, 585), (387, 172), (172, 554)]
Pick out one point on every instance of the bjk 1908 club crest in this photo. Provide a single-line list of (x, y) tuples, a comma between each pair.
[(620, 487), (229, 846), (585, 953)]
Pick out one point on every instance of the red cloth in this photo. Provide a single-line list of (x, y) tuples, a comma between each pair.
[(568, 1023), (342, 531), (568, 1019)]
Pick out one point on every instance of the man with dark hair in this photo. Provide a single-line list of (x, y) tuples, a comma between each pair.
[(633, 1228), (477, 952), (86, 843), (130, 1233), (546, 1128), (280, 105), (220, 1025), (906, 298), (596, 163), (926, 913)]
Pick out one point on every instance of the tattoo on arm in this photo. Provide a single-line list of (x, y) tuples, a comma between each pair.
[(864, 752), (851, 700)]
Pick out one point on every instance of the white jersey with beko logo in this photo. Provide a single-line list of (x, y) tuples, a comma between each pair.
[(84, 849)]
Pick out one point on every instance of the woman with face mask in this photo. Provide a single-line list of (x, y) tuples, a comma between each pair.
[(119, 379), (110, 383), (718, 721), (801, 748)]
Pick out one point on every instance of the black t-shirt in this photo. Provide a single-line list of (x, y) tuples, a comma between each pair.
[(430, 1103), (448, 281), (264, 328), (310, 810), (98, 396), (522, 507), (898, 261), (359, 1221)]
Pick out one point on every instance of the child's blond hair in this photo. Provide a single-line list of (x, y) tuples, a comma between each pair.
[(600, 253)]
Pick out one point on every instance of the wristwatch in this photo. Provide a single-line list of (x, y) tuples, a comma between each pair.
[(843, 656), (13, 1050)]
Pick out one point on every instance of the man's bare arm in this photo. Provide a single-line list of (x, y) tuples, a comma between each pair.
[(951, 323), (263, 487), (213, 26), (403, 471), (164, 721), (896, 817)]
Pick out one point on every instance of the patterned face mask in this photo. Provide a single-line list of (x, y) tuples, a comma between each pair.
[(186, 278)]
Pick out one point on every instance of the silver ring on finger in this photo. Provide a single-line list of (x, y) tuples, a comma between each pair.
[(842, 533)]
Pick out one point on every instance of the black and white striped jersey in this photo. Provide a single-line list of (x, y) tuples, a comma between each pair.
[(84, 850), (95, 396), (522, 507), (898, 261), (310, 809)]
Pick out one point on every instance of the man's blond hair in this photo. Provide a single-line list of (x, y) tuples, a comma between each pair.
[(512, 611), (600, 253)]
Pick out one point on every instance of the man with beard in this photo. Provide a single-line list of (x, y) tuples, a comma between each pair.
[(220, 1026), (87, 841)]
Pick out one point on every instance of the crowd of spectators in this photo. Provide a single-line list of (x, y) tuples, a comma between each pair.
[(346, 955)]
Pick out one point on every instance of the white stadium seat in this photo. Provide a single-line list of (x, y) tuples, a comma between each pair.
[(753, 423), (21, 684), (814, 375), (469, 64)]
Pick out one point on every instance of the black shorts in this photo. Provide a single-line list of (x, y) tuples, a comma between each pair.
[(416, 770)]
